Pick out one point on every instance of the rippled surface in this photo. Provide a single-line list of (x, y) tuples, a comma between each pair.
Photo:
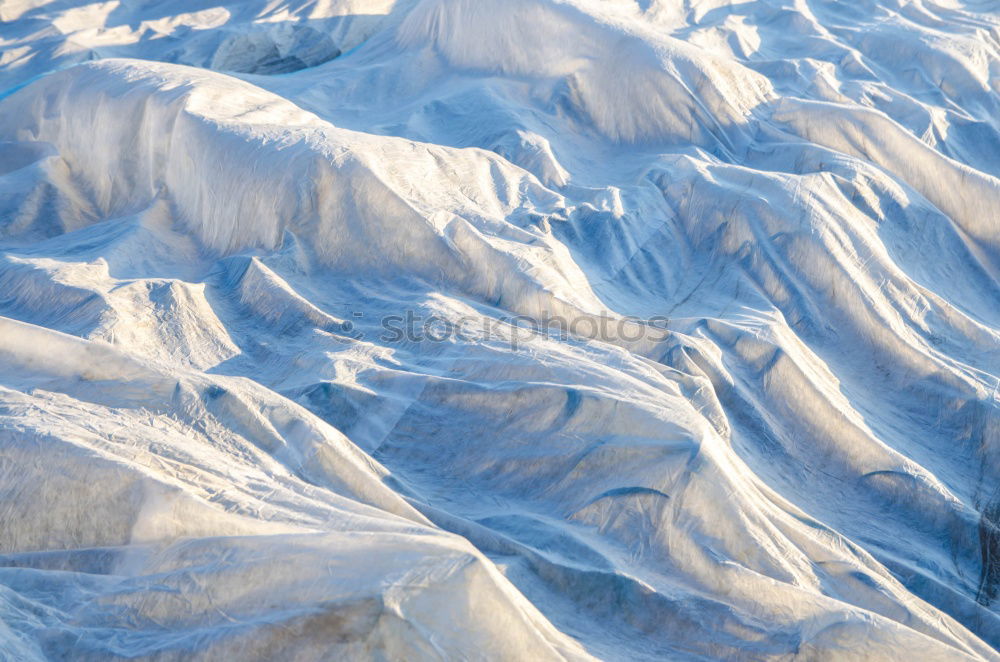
[(283, 369)]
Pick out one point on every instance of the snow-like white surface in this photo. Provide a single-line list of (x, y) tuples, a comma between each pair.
[(211, 448)]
